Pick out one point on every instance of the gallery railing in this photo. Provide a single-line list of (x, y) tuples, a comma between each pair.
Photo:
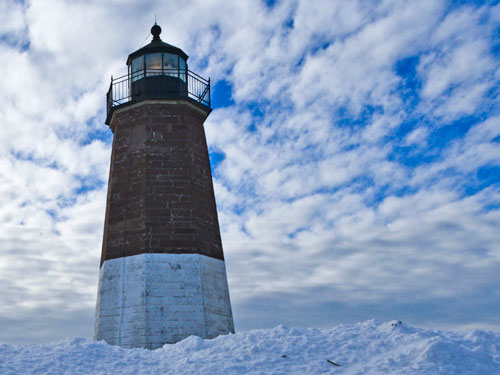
[(157, 84)]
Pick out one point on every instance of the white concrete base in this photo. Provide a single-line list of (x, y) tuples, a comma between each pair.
[(149, 300)]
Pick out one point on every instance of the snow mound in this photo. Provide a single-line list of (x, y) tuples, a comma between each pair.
[(370, 347)]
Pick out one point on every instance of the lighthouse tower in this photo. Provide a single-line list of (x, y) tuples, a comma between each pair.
[(162, 276)]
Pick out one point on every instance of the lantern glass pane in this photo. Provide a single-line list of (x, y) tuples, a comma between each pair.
[(182, 69), (170, 65), (153, 64), (137, 68)]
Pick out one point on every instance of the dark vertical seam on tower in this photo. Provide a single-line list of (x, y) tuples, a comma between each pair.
[(147, 341), (191, 165), (202, 291), (124, 257), (190, 144), (147, 323)]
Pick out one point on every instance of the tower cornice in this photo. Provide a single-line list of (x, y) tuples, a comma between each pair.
[(193, 104)]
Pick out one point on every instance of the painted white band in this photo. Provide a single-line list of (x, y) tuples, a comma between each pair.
[(148, 300)]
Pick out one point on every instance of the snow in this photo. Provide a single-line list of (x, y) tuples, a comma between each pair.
[(370, 347)]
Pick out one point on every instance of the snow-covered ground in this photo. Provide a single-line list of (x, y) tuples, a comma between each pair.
[(370, 347)]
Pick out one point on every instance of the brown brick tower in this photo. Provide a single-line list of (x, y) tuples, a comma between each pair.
[(162, 275)]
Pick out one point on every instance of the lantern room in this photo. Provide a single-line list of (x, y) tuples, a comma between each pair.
[(157, 59), (157, 71)]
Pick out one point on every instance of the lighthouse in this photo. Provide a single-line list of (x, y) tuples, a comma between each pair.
[(162, 274)]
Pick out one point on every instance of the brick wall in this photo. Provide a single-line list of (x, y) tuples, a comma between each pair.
[(160, 193)]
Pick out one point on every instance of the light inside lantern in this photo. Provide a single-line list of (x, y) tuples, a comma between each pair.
[(158, 63), (153, 64)]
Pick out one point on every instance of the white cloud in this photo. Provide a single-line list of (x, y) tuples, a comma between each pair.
[(459, 68), (11, 17), (417, 137)]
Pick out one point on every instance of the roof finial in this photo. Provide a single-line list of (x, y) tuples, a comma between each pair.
[(156, 31)]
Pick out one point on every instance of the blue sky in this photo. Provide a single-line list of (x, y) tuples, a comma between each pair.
[(355, 149)]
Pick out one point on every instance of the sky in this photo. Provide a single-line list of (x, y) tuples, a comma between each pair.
[(355, 150)]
